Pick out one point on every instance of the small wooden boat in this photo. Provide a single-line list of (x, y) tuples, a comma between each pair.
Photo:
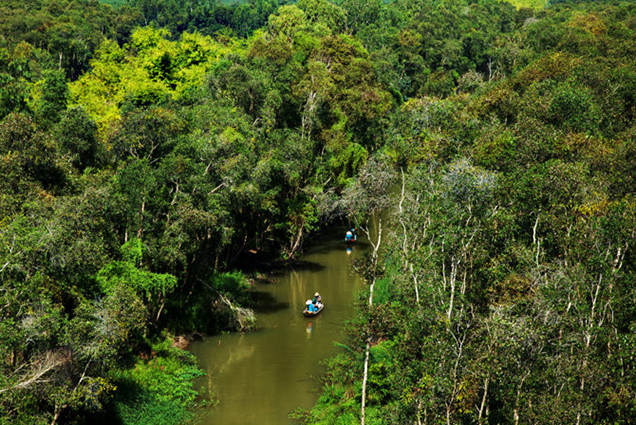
[(350, 237), (307, 313)]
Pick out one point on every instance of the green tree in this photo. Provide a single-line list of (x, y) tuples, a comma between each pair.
[(77, 135), (126, 273)]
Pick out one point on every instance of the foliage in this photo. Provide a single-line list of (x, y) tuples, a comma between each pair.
[(159, 389), (148, 70), (68, 31), (126, 274), (499, 300), (193, 133), (207, 16), (534, 4)]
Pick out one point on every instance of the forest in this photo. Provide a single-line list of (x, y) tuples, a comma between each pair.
[(151, 149)]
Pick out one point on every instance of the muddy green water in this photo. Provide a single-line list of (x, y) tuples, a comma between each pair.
[(259, 377)]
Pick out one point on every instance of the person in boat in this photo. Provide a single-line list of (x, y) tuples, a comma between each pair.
[(350, 236), (317, 301), (310, 307)]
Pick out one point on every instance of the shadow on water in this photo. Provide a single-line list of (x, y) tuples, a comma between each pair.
[(284, 269), (304, 266), (267, 303), (326, 249)]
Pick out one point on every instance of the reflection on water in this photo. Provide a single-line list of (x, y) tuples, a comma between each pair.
[(259, 377), (310, 329), (236, 352)]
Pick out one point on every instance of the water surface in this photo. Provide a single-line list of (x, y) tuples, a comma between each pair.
[(259, 377)]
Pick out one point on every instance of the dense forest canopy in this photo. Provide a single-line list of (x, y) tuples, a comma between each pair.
[(149, 147)]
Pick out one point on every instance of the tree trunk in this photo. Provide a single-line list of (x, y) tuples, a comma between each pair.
[(483, 401), (364, 381), (376, 247)]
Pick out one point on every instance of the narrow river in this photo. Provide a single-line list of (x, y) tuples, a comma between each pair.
[(259, 377)]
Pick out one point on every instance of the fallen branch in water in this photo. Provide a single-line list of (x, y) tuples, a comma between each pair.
[(244, 316)]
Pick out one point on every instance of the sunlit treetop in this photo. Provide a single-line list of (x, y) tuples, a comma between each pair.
[(149, 69)]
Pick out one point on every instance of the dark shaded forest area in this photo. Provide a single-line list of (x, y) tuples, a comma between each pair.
[(148, 148)]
